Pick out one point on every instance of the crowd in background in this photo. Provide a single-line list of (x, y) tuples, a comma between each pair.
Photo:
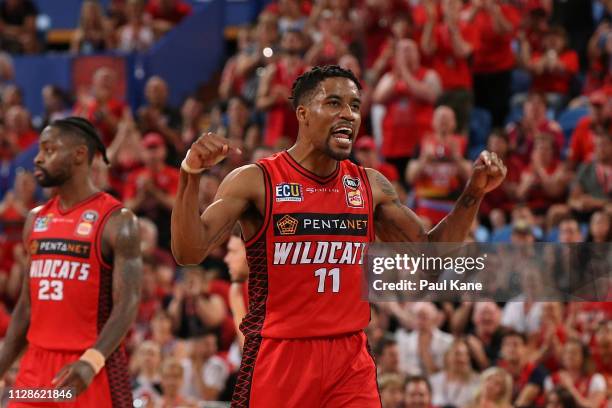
[(530, 80)]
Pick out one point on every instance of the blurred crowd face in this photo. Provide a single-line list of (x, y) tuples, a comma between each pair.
[(351, 63), (494, 387), (407, 54), (569, 232), (604, 339), (513, 349), (335, 104), (602, 147), (417, 395), (161, 327), (134, 10), (600, 226), (367, 157), (51, 100), (392, 396), (172, 378), (154, 156), (149, 280), (236, 259), (205, 347), (389, 358), (149, 354), (17, 120), (25, 186), (148, 236), (91, 14), (156, 92), (554, 40), (425, 316), (497, 144), (292, 43), (289, 8), (209, 184), (544, 149), (572, 357), (534, 109), (238, 112), (458, 358), (444, 121), (103, 84), (11, 96)]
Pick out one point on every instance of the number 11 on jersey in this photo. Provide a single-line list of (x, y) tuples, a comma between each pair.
[(322, 273)]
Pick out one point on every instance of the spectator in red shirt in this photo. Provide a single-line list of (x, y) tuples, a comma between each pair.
[(553, 68), (328, 39), (19, 128), (447, 47), (275, 89), (409, 92), (440, 171), (544, 181), (534, 121), (599, 51), (102, 109), (495, 389), (167, 13), (602, 353), (151, 190), (495, 22), (366, 155), (528, 377), (581, 142), (589, 390)]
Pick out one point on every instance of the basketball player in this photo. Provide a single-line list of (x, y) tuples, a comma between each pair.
[(306, 215), (82, 290)]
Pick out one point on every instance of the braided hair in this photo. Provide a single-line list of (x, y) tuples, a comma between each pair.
[(83, 129)]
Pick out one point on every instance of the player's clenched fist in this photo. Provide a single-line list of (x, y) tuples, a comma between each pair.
[(207, 151), (488, 173)]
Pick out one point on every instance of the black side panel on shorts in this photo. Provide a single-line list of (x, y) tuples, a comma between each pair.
[(253, 322)]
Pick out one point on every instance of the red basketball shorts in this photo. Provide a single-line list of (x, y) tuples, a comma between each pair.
[(38, 367), (334, 372)]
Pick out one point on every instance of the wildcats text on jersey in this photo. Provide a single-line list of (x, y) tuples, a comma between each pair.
[(59, 269), (318, 252)]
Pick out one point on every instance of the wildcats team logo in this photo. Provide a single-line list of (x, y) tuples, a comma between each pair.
[(352, 191), (289, 192), (41, 224), (287, 225), (88, 218)]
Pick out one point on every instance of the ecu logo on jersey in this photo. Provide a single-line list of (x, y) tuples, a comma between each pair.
[(287, 225), (352, 191), (288, 192)]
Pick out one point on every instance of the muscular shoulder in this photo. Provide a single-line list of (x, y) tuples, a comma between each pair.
[(244, 182), (382, 189), (122, 226)]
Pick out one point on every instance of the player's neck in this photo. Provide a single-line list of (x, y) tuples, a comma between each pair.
[(315, 161), (75, 191)]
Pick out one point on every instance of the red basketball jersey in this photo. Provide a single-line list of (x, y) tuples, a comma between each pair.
[(305, 262), (70, 283)]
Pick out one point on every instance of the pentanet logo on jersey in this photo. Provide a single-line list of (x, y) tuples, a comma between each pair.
[(288, 192), (286, 225), (321, 224), (66, 247), (352, 190)]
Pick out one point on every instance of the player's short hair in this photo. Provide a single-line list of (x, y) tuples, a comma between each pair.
[(85, 131), (307, 83)]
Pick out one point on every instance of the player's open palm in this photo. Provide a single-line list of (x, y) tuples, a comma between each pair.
[(488, 173), (76, 376), (208, 150)]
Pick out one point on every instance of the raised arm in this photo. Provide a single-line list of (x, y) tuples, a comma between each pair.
[(397, 223), (194, 235), (15, 340), (121, 238)]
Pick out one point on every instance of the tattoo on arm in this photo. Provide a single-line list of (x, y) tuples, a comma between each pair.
[(468, 201), (385, 185)]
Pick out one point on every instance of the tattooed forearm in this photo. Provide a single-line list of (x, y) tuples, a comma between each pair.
[(468, 200)]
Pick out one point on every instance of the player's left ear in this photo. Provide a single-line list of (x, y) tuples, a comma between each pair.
[(302, 114), (81, 154)]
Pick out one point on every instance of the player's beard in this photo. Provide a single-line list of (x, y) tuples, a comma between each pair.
[(335, 154), (52, 180)]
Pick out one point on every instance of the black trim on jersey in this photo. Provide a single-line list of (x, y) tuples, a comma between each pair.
[(366, 180), (77, 205), (100, 233), (307, 173), (268, 194)]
